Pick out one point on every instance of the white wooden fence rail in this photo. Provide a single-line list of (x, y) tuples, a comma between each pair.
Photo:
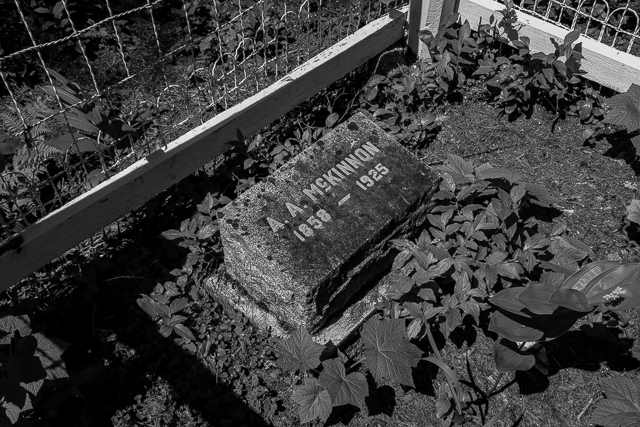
[(603, 64), (60, 231)]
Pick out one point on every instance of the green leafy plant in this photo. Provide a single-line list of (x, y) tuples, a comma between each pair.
[(333, 382), (195, 234), (33, 374), (93, 120), (24, 158), (482, 248), (388, 356), (524, 78), (540, 312), (29, 150), (512, 75), (592, 107), (622, 404), (452, 52), (624, 110)]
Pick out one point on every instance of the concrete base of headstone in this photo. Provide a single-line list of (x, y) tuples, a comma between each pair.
[(336, 329), (306, 241)]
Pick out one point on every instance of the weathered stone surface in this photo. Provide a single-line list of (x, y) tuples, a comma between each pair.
[(338, 328), (306, 240)]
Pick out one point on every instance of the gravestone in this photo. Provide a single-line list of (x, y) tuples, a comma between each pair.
[(314, 239)]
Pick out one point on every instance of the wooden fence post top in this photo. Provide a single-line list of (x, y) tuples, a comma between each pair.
[(426, 15)]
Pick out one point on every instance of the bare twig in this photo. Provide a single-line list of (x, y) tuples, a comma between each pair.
[(586, 408)]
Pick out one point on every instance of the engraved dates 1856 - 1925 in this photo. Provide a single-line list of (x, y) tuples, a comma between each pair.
[(317, 221)]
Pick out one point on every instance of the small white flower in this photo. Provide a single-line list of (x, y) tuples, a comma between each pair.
[(615, 294)]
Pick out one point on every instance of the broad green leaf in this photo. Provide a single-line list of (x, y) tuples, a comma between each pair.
[(508, 358), (438, 252), (518, 192), (414, 328), (564, 271), (299, 352), (375, 80), (15, 398), (622, 404), (66, 95), (472, 308), (163, 309), (514, 328), (511, 270), (496, 257), (448, 184), (540, 195), (331, 120), (625, 109), (424, 311), (633, 211), (506, 299), (571, 299), (177, 319), (313, 401), (184, 332), (571, 37), (401, 259), (20, 323), (571, 243), (389, 355), (443, 405), (483, 167), (165, 330), (465, 30), (343, 389), (49, 352), (77, 143), (76, 121), (460, 170), (33, 387), (536, 298), (148, 305), (178, 304), (399, 285), (609, 278), (462, 286), (552, 278), (453, 319), (622, 281)]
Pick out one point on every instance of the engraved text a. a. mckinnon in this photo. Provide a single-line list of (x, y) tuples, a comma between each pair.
[(342, 169)]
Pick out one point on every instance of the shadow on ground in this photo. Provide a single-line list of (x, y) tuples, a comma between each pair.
[(579, 349), (148, 377)]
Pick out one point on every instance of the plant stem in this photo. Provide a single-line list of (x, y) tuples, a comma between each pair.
[(495, 385), (432, 342), (357, 362)]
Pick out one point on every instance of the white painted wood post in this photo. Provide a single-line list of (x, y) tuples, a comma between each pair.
[(426, 15)]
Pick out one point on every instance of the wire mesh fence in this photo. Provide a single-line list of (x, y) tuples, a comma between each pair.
[(90, 87), (614, 23)]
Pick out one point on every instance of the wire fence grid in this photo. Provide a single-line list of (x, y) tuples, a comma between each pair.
[(614, 23), (90, 87)]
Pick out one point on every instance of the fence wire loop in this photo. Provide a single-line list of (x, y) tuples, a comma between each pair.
[(136, 79)]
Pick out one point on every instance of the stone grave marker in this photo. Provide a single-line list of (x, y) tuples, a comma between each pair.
[(314, 239)]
